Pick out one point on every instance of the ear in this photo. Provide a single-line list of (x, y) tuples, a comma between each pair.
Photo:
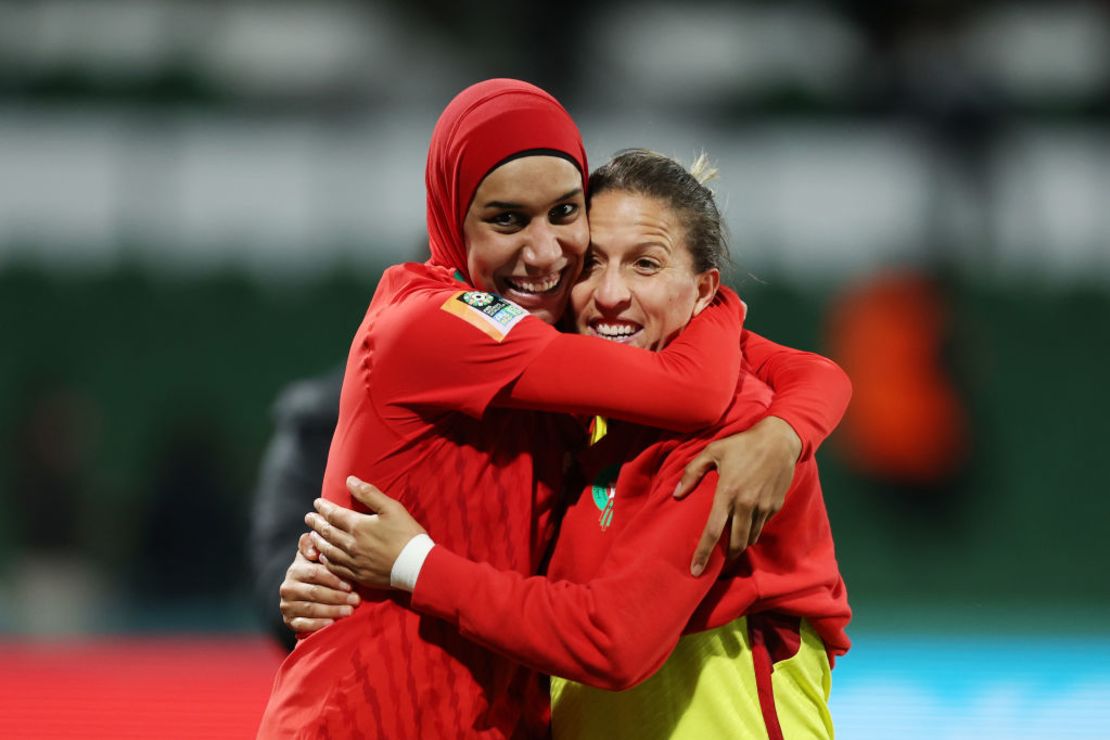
[(708, 282)]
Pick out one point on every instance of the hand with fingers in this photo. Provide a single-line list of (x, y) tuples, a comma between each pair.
[(755, 468), (312, 597), (361, 548)]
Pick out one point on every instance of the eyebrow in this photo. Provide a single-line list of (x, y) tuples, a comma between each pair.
[(642, 245), (509, 205)]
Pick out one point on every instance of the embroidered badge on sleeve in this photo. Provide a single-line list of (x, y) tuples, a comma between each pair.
[(491, 313), (605, 494)]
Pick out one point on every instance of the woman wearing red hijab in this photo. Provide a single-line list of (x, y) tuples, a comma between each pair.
[(427, 412)]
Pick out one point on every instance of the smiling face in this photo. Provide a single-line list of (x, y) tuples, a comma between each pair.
[(526, 232), (638, 285)]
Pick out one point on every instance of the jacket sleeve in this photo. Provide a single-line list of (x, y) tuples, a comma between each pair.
[(686, 386), (612, 632), (290, 477), (811, 391)]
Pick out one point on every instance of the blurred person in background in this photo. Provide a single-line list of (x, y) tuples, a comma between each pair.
[(908, 426), (291, 476), (55, 587), (750, 640), (190, 481), (506, 211)]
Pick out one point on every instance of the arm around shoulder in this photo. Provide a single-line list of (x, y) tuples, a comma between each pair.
[(685, 387), (811, 391), (582, 631)]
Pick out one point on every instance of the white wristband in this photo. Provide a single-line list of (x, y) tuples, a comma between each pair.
[(406, 568)]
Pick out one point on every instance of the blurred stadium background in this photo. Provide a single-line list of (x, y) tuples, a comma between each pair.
[(196, 199)]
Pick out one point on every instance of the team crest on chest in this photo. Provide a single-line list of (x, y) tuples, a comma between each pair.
[(489, 312), (605, 494)]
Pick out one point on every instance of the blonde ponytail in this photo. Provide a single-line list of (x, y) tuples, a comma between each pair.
[(702, 169)]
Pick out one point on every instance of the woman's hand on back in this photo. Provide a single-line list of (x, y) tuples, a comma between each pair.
[(755, 468), (311, 596), (361, 548)]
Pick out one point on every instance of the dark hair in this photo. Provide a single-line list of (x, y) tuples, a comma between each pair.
[(644, 172)]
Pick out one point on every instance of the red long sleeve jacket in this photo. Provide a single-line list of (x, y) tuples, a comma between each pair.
[(619, 593)]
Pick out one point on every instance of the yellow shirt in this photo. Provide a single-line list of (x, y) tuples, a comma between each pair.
[(706, 689)]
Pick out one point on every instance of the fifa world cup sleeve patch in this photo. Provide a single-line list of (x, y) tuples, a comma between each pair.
[(491, 313)]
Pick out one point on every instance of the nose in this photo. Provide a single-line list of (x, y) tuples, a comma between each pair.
[(543, 251), (612, 290)]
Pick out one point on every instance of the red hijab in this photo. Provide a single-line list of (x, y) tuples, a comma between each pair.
[(486, 125)]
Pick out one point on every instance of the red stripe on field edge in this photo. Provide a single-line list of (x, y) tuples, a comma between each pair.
[(178, 687)]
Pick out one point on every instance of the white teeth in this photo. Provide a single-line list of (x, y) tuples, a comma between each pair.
[(610, 331), (541, 285)]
